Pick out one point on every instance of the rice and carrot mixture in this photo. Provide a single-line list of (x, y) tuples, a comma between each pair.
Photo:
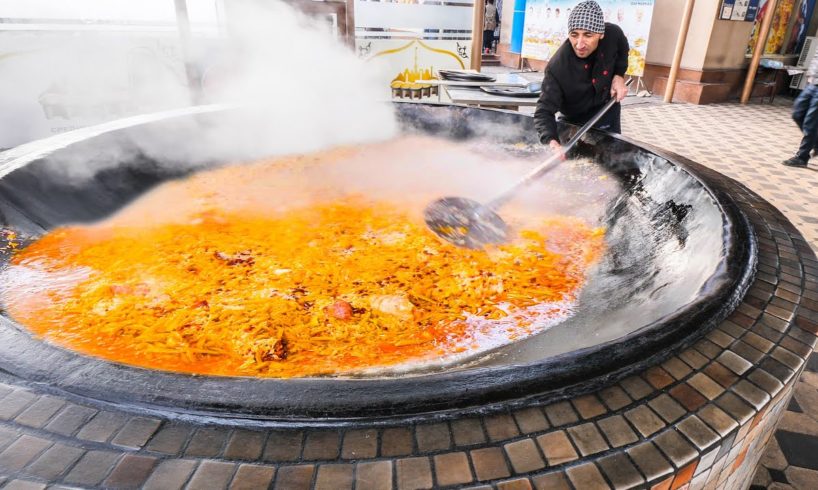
[(326, 288)]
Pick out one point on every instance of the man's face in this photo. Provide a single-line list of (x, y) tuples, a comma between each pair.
[(584, 42)]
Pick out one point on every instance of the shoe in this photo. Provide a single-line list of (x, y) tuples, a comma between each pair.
[(794, 162)]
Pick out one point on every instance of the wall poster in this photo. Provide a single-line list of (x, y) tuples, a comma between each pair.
[(778, 29), (546, 27), (741, 10), (799, 27)]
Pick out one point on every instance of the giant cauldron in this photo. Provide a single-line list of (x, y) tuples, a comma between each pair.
[(681, 255)]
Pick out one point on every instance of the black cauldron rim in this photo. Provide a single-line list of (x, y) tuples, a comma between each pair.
[(334, 400)]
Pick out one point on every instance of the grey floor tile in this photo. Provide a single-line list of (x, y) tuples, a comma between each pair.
[(799, 449)]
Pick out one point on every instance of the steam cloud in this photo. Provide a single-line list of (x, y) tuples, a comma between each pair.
[(298, 89), (304, 89)]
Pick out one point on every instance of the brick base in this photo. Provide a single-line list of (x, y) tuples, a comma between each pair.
[(709, 86)]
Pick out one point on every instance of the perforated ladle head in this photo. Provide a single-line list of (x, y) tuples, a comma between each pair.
[(467, 223)]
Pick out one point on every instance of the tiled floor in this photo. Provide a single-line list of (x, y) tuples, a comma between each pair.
[(747, 143)]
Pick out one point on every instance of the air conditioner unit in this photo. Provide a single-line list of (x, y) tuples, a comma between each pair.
[(810, 45)]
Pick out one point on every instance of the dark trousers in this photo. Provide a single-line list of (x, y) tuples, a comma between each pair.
[(488, 39), (611, 121), (805, 115)]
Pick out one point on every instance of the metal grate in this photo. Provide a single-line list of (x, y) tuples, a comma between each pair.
[(807, 51), (810, 45)]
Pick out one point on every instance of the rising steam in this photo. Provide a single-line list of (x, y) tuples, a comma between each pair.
[(297, 87), (304, 89)]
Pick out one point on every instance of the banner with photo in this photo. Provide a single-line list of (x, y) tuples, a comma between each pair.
[(800, 26), (546, 27), (786, 33)]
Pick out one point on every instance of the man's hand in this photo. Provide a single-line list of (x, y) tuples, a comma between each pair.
[(556, 147), (618, 89)]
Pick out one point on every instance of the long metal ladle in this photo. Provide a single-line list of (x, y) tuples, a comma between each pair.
[(467, 223)]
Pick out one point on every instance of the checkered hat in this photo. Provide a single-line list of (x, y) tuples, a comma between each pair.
[(587, 16)]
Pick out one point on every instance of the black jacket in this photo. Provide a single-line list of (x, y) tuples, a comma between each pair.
[(579, 87)]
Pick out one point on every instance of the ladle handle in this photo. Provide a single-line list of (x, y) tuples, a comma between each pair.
[(555, 159)]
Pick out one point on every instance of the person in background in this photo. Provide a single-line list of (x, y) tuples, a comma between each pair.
[(585, 72), (489, 24), (805, 115)]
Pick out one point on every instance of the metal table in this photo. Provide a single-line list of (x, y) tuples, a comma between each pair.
[(475, 96), (469, 93)]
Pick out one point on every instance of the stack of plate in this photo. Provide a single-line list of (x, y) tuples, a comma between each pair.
[(464, 76), (531, 90)]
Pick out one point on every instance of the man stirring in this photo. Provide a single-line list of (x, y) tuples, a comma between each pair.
[(584, 73)]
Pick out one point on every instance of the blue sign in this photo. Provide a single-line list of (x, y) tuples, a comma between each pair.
[(517, 25), (742, 10), (752, 11)]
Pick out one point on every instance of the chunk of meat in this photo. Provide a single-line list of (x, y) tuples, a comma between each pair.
[(340, 309), (392, 304)]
